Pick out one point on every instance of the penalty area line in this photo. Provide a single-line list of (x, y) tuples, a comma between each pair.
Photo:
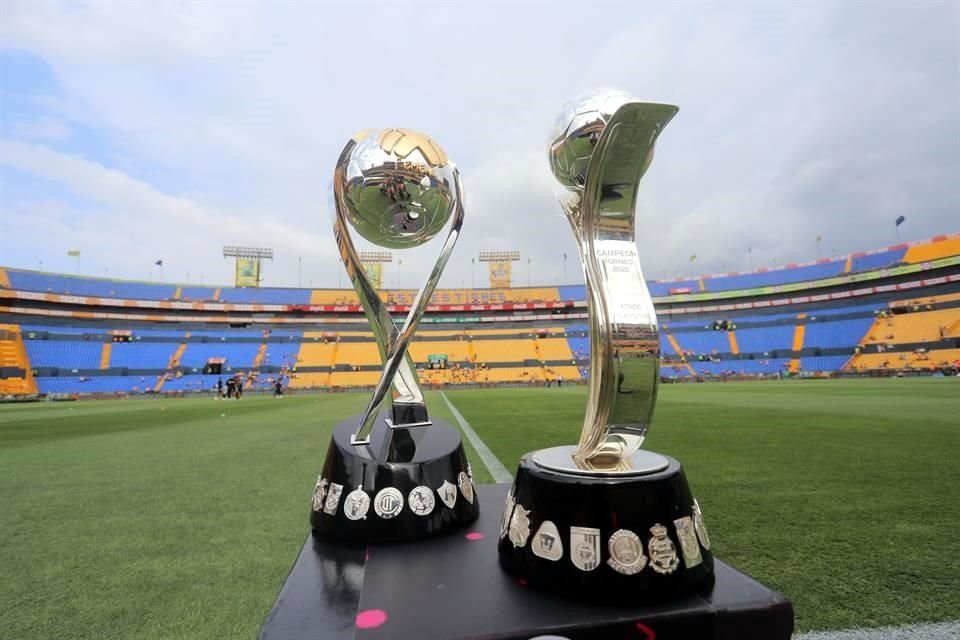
[(494, 466)]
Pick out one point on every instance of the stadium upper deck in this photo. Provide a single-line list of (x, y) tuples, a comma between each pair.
[(857, 267)]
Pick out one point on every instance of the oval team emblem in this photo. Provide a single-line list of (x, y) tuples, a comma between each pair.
[(466, 486), (356, 504), (626, 553), (519, 526), (421, 501), (388, 503)]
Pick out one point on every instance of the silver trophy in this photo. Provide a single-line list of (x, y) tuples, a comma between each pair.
[(596, 506), (397, 189)]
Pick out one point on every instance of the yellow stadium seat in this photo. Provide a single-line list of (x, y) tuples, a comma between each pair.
[(942, 248)]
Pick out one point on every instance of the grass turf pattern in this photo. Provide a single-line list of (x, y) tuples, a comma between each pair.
[(180, 518)]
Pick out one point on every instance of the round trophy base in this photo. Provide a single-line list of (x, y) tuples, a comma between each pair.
[(625, 538), (407, 484), (560, 459)]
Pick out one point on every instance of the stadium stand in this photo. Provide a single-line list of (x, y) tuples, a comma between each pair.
[(935, 249), (85, 359), (775, 277), (922, 252), (53, 345), (197, 293), (84, 286), (14, 364), (867, 261)]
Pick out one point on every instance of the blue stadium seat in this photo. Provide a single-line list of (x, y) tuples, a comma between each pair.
[(877, 260), (265, 296), (145, 355), (836, 333), (823, 363), (238, 355), (64, 354), (765, 339)]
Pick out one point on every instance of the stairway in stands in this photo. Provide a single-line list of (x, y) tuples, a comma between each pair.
[(174, 362), (798, 335), (257, 361), (105, 352), (679, 352), (333, 362), (13, 354)]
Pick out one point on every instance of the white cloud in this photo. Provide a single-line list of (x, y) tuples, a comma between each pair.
[(131, 223), (221, 123), (44, 128)]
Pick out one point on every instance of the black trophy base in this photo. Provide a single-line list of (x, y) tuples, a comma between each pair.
[(448, 589), (407, 484), (613, 538)]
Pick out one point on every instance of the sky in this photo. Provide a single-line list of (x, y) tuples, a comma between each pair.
[(137, 132)]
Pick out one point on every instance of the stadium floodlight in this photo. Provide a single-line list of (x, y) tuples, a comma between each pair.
[(499, 263), (372, 257), (248, 252), (247, 268), (499, 256)]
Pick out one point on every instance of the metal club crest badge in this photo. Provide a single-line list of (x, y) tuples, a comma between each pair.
[(519, 526), (585, 548), (546, 542), (466, 486), (333, 498), (663, 554), (626, 553), (421, 501), (448, 493), (700, 528), (688, 541), (356, 504), (319, 493), (507, 513), (388, 503)]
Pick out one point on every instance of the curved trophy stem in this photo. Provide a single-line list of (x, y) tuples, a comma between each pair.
[(399, 370), (624, 340)]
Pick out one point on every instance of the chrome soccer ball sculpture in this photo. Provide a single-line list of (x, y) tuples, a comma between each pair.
[(400, 188), (576, 133)]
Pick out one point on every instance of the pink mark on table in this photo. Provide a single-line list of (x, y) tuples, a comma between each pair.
[(474, 535), (649, 633), (371, 618)]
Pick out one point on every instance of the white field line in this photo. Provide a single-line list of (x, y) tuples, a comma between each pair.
[(496, 468), (933, 631)]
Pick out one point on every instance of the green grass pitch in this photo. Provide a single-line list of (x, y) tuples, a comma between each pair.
[(180, 518)]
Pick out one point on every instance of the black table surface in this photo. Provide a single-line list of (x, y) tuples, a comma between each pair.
[(452, 587)]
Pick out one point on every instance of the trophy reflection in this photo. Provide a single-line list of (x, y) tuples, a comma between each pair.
[(605, 518)]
